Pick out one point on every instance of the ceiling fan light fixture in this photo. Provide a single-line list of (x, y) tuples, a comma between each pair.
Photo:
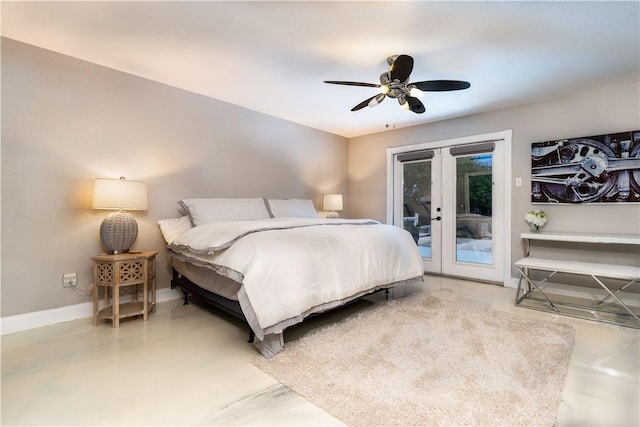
[(404, 104), (384, 89)]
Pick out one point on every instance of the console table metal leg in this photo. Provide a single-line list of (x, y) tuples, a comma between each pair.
[(532, 283), (613, 295), (617, 291)]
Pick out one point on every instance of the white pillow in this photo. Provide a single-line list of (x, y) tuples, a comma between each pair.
[(173, 227), (301, 208), (206, 211)]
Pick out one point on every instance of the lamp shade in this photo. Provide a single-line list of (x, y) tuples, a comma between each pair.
[(119, 194), (332, 202)]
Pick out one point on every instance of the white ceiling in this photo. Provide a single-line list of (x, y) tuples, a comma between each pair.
[(272, 57)]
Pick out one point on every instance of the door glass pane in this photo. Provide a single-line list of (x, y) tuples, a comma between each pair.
[(417, 203), (474, 201)]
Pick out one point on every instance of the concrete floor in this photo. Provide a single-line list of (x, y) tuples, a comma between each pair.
[(191, 366)]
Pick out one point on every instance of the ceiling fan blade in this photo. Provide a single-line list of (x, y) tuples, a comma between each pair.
[(441, 85), (365, 103), (401, 68), (376, 100), (415, 105), (337, 82)]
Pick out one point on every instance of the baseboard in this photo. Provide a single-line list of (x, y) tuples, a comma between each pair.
[(36, 319), (513, 283)]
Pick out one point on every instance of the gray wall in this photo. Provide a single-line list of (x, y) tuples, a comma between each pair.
[(66, 122), (610, 109)]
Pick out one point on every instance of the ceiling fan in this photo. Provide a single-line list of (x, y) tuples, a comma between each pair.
[(394, 84)]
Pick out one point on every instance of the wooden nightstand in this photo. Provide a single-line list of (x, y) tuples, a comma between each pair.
[(111, 273)]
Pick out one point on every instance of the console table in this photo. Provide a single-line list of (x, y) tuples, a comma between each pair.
[(603, 306)]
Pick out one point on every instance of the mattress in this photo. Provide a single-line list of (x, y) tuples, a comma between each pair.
[(207, 279)]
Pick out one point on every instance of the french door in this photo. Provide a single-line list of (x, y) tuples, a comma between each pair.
[(451, 197)]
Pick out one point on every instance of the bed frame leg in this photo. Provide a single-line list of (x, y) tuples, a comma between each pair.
[(386, 294), (186, 297), (251, 336)]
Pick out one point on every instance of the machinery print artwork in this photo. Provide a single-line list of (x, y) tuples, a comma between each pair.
[(593, 169)]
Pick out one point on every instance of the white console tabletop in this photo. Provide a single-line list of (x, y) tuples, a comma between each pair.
[(619, 239)]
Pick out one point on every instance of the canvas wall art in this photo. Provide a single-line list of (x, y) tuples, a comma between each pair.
[(591, 169)]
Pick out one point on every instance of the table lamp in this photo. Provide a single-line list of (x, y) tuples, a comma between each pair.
[(119, 229), (332, 203)]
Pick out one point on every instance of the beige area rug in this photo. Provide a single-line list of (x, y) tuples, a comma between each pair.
[(421, 361)]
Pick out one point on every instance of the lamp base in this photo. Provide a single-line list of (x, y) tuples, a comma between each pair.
[(116, 252), (118, 232), (333, 215)]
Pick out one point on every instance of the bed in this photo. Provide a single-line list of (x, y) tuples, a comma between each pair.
[(274, 262)]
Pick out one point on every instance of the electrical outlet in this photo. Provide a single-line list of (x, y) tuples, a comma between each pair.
[(69, 280)]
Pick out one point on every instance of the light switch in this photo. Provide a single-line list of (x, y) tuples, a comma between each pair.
[(518, 181)]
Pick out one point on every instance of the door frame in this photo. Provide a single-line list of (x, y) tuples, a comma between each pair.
[(502, 137)]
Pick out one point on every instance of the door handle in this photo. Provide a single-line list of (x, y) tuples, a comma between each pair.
[(436, 218)]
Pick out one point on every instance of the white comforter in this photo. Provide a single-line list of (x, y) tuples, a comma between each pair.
[(287, 266)]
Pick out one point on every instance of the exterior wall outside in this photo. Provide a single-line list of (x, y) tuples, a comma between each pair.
[(610, 109), (66, 122)]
